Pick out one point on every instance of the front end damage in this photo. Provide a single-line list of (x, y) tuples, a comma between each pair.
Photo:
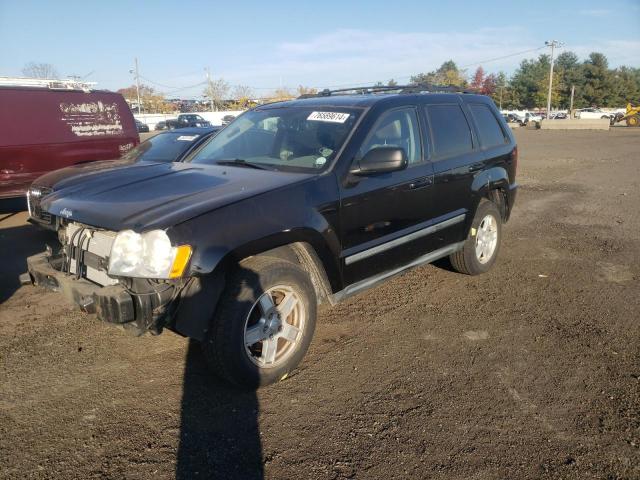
[(79, 271)]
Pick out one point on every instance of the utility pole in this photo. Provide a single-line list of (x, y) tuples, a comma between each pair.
[(573, 90), (501, 89), (553, 44), (136, 74), (210, 87)]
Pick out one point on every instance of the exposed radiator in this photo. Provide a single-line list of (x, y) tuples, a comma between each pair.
[(98, 244)]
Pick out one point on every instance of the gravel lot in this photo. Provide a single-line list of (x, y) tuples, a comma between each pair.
[(530, 371)]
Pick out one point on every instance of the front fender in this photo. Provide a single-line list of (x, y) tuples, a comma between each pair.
[(306, 212)]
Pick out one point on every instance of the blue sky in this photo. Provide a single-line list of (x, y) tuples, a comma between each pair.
[(321, 43)]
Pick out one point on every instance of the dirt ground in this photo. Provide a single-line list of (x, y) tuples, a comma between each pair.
[(530, 371)]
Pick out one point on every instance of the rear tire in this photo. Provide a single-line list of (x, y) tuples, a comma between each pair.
[(264, 323), (482, 245)]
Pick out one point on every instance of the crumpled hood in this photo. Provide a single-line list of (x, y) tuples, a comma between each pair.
[(143, 196)]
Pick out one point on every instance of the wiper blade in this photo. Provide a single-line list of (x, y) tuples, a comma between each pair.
[(239, 162)]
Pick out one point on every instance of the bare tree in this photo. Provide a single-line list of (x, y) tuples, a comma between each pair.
[(242, 92), (152, 101), (217, 92), (40, 70), (302, 90), (280, 94)]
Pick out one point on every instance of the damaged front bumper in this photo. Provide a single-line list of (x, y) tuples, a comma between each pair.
[(139, 312)]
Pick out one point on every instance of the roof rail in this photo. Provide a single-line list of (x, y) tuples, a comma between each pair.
[(50, 83), (411, 88)]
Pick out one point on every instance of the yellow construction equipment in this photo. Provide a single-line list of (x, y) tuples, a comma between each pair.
[(631, 116)]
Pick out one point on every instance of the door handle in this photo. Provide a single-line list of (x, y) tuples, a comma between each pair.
[(420, 183)]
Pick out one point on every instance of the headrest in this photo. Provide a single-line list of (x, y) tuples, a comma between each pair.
[(390, 131)]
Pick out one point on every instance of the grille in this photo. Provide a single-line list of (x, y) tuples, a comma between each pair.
[(34, 197)]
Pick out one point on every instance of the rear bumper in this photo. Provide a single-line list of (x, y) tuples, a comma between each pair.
[(111, 304)]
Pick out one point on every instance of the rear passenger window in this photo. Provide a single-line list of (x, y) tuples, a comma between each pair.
[(491, 134), (450, 130)]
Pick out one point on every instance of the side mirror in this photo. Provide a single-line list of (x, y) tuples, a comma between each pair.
[(382, 160)]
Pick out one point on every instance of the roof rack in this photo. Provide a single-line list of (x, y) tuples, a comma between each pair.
[(412, 88), (50, 83)]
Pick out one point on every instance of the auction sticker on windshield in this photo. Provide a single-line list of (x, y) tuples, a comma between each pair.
[(187, 138), (333, 117)]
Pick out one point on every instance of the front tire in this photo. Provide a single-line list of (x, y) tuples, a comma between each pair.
[(264, 323), (481, 247)]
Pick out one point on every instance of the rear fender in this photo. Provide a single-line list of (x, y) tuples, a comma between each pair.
[(495, 178)]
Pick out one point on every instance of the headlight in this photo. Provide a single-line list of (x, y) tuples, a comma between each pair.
[(147, 255), (126, 253)]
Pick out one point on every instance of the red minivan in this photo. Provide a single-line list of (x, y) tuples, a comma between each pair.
[(46, 125)]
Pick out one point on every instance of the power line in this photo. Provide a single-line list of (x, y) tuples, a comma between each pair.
[(157, 83), (461, 67), (174, 89), (187, 87), (503, 57)]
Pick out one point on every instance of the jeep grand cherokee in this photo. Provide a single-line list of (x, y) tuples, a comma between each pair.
[(293, 204)]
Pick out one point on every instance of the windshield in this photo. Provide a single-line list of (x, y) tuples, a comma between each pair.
[(164, 147), (290, 139)]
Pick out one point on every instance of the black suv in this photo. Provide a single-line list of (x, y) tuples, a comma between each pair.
[(186, 120), (293, 204)]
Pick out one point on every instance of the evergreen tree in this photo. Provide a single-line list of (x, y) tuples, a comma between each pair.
[(598, 81), (595, 83), (570, 73)]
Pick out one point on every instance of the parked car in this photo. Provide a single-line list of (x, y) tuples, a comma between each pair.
[(559, 116), (294, 204), (44, 128), (161, 125), (592, 113), (513, 118), (170, 146), (141, 127), (532, 117), (185, 120), (227, 119)]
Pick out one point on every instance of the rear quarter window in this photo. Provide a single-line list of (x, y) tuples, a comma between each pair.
[(450, 130), (489, 130)]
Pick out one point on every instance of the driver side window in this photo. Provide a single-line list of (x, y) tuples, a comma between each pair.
[(397, 128)]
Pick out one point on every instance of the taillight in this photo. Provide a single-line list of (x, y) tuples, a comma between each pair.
[(514, 158)]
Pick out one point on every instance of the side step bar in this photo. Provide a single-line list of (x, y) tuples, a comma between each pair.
[(376, 279)]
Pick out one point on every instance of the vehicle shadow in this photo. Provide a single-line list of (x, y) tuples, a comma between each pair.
[(13, 205), (219, 435), (444, 264), (16, 244)]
